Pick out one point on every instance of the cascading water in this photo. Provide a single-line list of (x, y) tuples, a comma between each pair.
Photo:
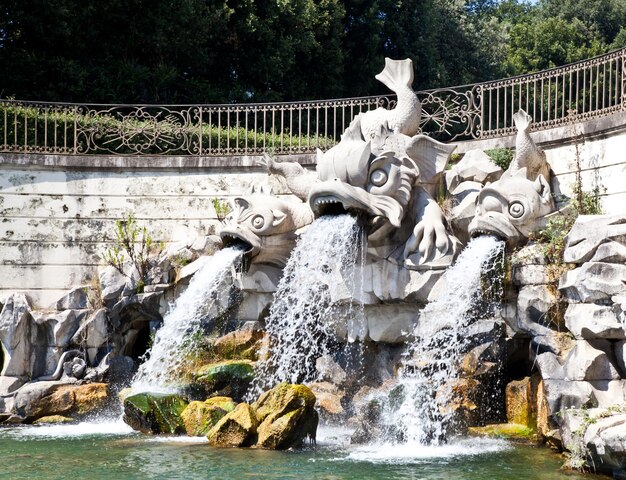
[(417, 411), (172, 341), (321, 278)]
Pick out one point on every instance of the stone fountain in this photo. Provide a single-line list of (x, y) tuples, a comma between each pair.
[(549, 348)]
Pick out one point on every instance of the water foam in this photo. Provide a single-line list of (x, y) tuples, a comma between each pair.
[(105, 427), (172, 342)]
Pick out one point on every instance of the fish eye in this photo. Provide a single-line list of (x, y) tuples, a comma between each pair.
[(378, 177), (258, 221), (516, 209)]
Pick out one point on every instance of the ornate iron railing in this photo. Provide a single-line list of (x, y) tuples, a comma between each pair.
[(559, 96)]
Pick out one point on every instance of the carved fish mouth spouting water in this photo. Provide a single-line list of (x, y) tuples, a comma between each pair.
[(334, 197), (234, 236)]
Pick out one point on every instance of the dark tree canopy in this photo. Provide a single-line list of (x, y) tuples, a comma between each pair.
[(209, 51)]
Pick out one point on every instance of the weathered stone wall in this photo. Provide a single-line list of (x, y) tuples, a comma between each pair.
[(58, 213)]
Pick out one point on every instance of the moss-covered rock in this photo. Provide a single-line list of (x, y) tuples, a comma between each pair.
[(513, 431), (155, 412), (53, 420), (227, 378), (286, 416), (242, 343), (200, 417), (236, 429)]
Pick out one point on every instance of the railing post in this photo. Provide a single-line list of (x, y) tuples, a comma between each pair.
[(75, 150), (623, 80)]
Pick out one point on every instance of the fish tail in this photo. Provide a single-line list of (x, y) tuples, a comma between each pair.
[(522, 120), (397, 74)]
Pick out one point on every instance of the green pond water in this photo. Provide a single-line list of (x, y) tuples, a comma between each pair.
[(109, 450)]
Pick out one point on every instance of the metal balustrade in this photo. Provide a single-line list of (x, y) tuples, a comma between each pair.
[(580, 91)]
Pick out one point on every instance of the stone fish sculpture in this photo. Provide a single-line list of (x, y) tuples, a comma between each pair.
[(381, 171), (266, 225), (517, 204)]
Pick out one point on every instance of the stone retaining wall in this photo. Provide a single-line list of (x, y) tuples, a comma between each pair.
[(58, 212)]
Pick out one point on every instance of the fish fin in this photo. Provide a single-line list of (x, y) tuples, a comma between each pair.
[(429, 155), (522, 120), (396, 74)]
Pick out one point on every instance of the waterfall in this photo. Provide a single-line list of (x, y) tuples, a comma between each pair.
[(413, 411), (322, 277), (173, 341)]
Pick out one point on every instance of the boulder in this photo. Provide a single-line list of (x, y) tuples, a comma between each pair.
[(75, 299), (240, 343), (590, 232), (227, 378), (328, 397), (112, 283), (594, 282), (93, 333), (535, 310), (59, 326), (585, 362), (512, 431), (520, 403), (329, 370), (236, 429), (589, 321), (41, 399), (155, 412), (286, 416), (53, 420), (531, 275), (15, 335), (475, 166), (564, 394), (199, 417)]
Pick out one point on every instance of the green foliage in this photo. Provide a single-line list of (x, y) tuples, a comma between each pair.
[(502, 157), (222, 208), (134, 244), (205, 51), (553, 235)]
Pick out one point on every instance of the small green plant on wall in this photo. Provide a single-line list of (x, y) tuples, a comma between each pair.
[(221, 207), (131, 243)]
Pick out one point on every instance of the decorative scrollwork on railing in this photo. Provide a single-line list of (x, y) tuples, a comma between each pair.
[(138, 130), (451, 113)]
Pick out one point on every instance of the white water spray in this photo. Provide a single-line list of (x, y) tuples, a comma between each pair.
[(172, 342), (418, 411), (321, 278)]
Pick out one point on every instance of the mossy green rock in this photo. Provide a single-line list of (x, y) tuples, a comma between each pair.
[(286, 416), (53, 420), (230, 377), (512, 431), (235, 429), (155, 412), (200, 417)]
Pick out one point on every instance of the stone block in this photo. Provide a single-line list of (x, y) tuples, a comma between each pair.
[(594, 282), (589, 363), (112, 282), (93, 333), (390, 323), (75, 299), (592, 231), (589, 321), (530, 275)]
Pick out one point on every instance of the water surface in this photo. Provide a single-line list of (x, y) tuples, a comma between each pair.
[(110, 450)]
